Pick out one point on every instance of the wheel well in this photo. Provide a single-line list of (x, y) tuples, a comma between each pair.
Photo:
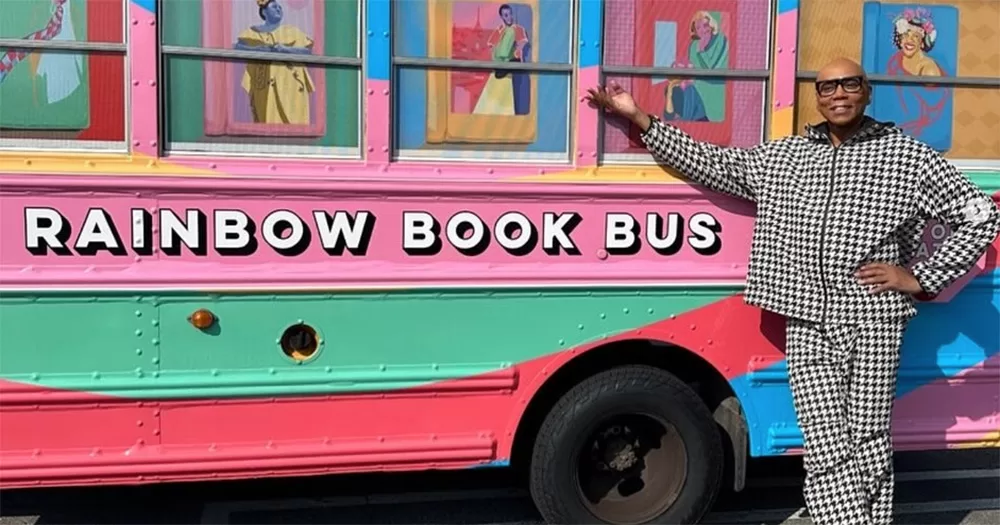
[(697, 373)]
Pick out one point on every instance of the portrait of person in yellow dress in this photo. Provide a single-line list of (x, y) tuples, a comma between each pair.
[(279, 91)]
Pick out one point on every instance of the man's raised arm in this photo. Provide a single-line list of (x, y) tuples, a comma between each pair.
[(733, 171), (730, 170)]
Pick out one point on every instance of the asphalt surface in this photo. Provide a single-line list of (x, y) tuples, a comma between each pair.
[(954, 487)]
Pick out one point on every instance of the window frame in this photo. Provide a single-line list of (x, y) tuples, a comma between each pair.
[(965, 164), (765, 76), (122, 50), (329, 153), (570, 69)]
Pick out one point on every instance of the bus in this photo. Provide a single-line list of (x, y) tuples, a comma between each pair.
[(277, 238)]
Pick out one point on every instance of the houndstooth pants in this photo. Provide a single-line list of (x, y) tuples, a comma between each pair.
[(843, 381)]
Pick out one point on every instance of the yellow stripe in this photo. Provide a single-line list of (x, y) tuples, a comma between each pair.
[(96, 164), (782, 123), (604, 174), (991, 440)]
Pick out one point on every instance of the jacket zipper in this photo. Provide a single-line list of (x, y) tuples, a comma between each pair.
[(822, 234)]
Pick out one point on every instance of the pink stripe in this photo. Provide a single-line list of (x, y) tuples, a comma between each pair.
[(586, 119), (377, 130), (142, 65), (384, 261), (785, 58)]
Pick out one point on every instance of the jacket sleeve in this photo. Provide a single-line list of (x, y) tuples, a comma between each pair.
[(947, 195), (733, 171)]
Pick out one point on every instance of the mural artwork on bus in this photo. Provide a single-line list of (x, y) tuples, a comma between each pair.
[(496, 113), (699, 34), (912, 40), (58, 94), (926, 38), (265, 98), (215, 104)]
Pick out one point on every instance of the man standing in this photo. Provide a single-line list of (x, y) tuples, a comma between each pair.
[(839, 215)]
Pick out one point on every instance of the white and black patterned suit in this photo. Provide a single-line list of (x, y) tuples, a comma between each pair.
[(822, 213)]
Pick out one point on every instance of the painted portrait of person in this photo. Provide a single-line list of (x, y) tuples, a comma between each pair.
[(700, 100), (279, 92), (505, 92), (920, 108)]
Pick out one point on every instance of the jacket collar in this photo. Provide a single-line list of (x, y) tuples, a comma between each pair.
[(870, 129)]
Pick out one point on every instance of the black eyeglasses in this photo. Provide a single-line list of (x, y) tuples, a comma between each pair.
[(850, 84)]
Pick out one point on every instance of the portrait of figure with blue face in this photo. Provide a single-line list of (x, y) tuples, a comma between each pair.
[(279, 92)]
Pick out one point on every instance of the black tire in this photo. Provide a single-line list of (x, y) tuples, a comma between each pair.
[(566, 434)]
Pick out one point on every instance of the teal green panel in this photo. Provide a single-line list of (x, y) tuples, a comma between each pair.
[(371, 341), (53, 339), (342, 85), (180, 22), (185, 78)]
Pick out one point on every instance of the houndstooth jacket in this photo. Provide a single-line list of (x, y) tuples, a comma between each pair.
[(825, 211)]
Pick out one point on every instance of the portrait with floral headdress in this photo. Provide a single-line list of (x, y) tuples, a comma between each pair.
[(913, 41)]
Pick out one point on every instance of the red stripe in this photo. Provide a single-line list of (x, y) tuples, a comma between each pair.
[(176, 440), (107, 74)]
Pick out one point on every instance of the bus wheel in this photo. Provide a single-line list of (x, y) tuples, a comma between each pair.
[(630, 445)]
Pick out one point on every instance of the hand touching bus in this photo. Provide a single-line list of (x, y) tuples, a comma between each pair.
[(614, 99)]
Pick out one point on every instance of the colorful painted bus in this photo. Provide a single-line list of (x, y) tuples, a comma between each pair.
[(250, 238)]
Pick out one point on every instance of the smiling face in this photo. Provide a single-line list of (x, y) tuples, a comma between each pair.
[(703, 28), (842, 93), (911, 41)]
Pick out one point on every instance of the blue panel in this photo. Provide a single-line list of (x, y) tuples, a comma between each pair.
[(591, 13), (946, 338), (148, 5), (379, 38), (787, 5), (497, 463), (767, 400)]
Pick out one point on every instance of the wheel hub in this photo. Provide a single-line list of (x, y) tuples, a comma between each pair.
[(633, 469)]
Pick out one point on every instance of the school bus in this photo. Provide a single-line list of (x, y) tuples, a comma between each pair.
[(250, 238)]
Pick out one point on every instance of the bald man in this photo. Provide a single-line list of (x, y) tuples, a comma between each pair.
[(840, 211)]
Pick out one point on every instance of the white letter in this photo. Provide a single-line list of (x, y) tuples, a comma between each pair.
[(38, 238), (554, 231), (706, 229), (418, 231), (190, 233), (231, 230), (673, 233), (618, 233), (141, 227), (522, 240), (478, 230), (342, 231), (939, 231), (97, 229), (271, 237)]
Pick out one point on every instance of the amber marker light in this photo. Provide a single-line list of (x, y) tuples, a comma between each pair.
[(202, 319)]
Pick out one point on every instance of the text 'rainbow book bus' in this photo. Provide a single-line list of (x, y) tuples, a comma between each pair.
[(248, 238)]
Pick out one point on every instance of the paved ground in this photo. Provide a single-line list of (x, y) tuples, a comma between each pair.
[(933, 488)]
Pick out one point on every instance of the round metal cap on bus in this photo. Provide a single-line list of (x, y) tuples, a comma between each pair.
[(202, 319)]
